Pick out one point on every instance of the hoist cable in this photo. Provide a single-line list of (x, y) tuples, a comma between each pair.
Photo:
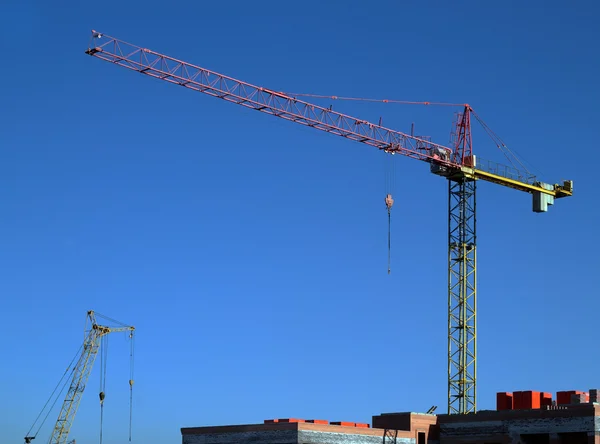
[(361, 99), (389, 241), (389, 201), (502, 146), (50, 398), (101, 420), (53, 404), (101, 391), (103, 362), (131, 362), (98, 315)]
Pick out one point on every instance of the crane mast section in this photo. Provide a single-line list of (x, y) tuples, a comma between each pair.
[(261, 99), (81, 375)]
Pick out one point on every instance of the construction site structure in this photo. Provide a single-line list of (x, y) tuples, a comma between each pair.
[(94, 334), (572, 418), (457, 163)]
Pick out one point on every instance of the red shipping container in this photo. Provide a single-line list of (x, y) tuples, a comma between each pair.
[(545, 398), (317, 421), (531, 399), (289, 420), (517, 400), (564, 397), (504, 401), (362, 425), (343, 423)]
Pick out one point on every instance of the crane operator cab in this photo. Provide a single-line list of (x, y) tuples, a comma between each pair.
[(439, 157)]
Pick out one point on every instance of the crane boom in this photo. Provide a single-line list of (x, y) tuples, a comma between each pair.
[(169, 69), (261, 99), (81, 374)]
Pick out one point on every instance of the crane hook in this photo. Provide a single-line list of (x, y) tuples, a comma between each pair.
[(389, 202)]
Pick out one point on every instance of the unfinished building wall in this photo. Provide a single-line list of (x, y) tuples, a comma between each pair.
[(262, 437), (421, 427), (293, 433), (559, 426), (318, 437)]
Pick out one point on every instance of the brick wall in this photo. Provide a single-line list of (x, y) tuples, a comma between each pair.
[(509, 431), (290, 433), (312, 437), (257, 437)]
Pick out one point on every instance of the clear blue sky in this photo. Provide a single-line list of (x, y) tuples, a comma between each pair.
[(250, 252)]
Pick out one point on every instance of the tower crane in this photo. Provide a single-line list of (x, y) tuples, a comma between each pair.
[(81, 372), (457, 163)]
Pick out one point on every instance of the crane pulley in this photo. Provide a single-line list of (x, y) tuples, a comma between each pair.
[(457, 163)]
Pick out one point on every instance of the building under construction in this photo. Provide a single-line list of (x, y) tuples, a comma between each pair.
[(520, 418)]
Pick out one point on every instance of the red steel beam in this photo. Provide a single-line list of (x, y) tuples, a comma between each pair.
[(261, 99)]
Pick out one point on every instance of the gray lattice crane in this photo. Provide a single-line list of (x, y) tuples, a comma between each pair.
[(94, 333)]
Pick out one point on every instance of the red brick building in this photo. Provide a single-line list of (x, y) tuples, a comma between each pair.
[(533, 419)]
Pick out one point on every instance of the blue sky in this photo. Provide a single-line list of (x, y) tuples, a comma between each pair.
[(250, 252)]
